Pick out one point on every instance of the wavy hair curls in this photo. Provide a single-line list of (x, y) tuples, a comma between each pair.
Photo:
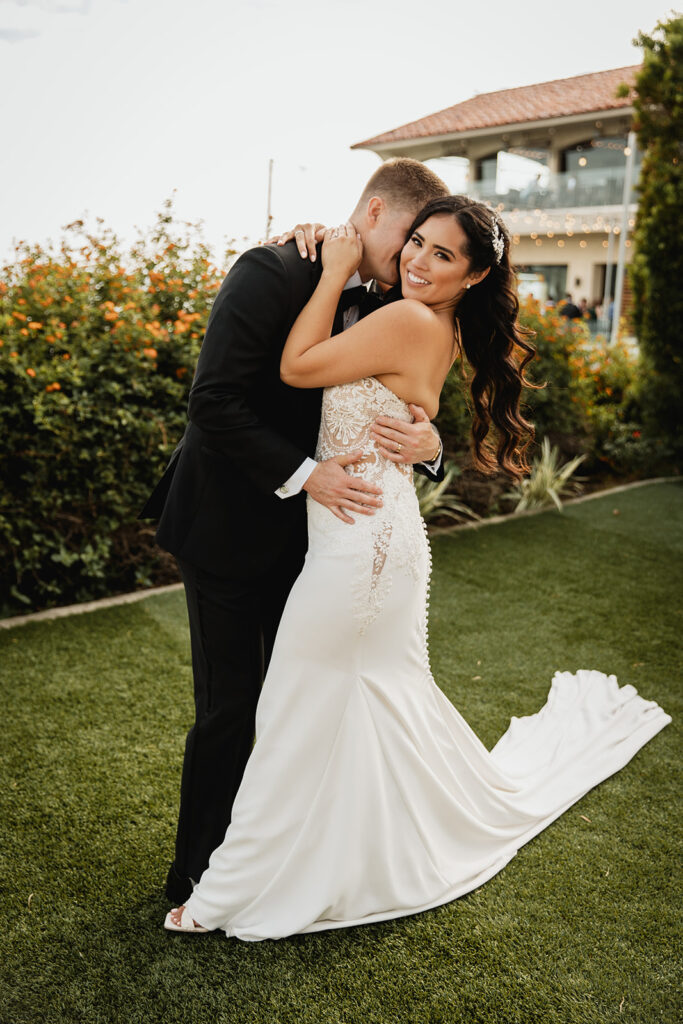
[(495, 345)]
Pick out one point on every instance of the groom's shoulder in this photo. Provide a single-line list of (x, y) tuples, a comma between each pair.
[(295, 267), (285, 258), (270, 262)]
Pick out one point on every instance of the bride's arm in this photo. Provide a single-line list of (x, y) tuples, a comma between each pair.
[(384, 342)]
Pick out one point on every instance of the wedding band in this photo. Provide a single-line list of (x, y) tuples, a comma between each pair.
[(398, 448)]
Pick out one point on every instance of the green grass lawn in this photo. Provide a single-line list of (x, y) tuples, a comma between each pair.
[(579, 927)]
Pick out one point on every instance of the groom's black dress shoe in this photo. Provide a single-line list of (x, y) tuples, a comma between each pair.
[(178, 887)]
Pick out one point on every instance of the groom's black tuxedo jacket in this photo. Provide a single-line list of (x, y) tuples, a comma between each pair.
[(247, 431)]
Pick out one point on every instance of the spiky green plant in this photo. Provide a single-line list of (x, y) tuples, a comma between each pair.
[(435, 500), (548, 481)]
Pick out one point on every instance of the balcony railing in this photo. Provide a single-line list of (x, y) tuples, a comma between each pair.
[(585, 187)]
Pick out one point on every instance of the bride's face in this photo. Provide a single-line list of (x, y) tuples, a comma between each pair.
[(434, 267)]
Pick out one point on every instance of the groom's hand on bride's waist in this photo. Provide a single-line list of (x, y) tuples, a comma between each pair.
[(342, 493), (412, 442)]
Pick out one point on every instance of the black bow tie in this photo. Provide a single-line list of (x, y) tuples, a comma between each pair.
[(352, 297)]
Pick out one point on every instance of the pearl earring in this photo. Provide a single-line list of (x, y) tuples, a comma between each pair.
[(468, 286)]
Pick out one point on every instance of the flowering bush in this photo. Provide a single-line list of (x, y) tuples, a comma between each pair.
[(555, 409), (97, 352), (589, 403)]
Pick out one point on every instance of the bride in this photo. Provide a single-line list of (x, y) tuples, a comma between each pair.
[(367, 796)]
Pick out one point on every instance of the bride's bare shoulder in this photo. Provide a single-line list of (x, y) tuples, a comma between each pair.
[(410, 314)]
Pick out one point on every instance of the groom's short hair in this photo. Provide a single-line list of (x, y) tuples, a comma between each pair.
[(404, 184)]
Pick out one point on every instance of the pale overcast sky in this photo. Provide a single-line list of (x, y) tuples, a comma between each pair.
[(110, 105)]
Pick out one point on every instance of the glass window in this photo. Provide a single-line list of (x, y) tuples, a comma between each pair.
[(453, 170), (595, 153), (488, 168), (546, 282)]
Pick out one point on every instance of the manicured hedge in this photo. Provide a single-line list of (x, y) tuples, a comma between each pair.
[(97, 351)]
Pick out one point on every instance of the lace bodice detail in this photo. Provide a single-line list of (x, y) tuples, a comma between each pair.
[(348, 412), (394, 537)]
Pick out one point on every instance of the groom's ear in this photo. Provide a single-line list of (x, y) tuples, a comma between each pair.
[(374, 210)]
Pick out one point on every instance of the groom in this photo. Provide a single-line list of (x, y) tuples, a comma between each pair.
[(231, 506)]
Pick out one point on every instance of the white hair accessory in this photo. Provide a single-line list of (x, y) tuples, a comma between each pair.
[(497, 239)]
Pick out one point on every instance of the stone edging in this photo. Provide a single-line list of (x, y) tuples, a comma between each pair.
[(87, 606), (140, 595)]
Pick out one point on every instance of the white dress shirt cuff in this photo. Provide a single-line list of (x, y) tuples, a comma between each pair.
[(297, 479)]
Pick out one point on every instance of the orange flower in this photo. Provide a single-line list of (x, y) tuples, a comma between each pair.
[(24, 332), (66, 355), (19, 316), (31, 372), (35, 325), (67, 298), (14, 355), (55, 386), (180, 372), (151, 353)]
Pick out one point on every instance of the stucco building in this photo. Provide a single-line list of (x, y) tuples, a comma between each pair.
[(552, 158)]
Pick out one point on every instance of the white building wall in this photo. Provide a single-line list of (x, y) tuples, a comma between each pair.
[(583, 257)]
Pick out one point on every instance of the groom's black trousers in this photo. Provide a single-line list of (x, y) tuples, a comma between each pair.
[(232, 628)]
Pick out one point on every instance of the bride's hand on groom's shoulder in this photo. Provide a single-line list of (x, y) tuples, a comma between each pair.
[(306, 237), (342, 252)]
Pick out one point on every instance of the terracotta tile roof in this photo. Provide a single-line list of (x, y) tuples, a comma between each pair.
[(560, 98)]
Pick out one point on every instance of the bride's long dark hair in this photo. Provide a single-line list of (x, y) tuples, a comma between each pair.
[(494, 344)]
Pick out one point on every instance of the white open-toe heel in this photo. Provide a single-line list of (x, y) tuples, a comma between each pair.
[(186, 923)]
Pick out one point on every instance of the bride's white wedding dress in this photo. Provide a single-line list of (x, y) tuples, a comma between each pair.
[(367, 796)]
